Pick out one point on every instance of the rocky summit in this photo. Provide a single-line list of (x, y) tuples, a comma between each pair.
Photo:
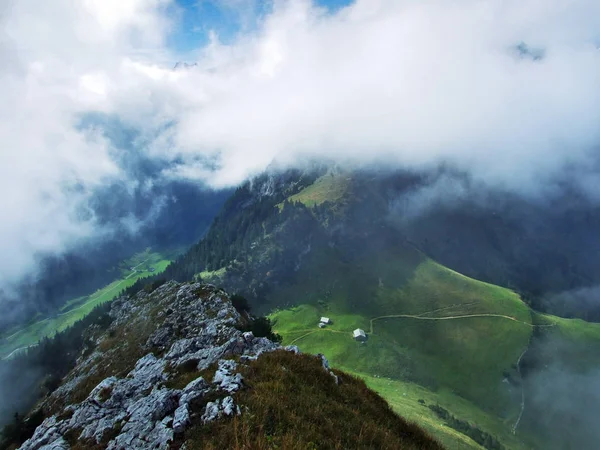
[(177, 328), (176, 366)]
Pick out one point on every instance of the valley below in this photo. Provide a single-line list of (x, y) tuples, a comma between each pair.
[(140, 265)]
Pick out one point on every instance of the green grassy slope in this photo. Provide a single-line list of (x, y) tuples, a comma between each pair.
[(434, 334), (331, 188), (412, 401), (436, 327), (584, 334), (75, 309), (437, 354), (452, 339), (575, 343)]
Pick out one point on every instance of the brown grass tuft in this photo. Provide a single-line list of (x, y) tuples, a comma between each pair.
[(291, 403)]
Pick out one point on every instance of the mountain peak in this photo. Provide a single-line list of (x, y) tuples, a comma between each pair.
[(133, 403)]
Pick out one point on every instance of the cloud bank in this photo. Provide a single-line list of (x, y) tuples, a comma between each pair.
[(56, 57), (415, 83), (508, 91)]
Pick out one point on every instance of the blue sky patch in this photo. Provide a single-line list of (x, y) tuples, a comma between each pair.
[(197, 18)]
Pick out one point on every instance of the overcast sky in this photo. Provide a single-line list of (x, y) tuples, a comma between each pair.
[(508, 90)]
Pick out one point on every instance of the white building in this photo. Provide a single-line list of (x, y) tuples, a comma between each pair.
[(360, 335), (326, 320)]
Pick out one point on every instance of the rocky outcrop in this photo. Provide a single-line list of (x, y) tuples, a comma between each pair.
[(326, 366), (179, 328)]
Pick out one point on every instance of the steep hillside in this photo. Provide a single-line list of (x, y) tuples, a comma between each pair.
[(324, 244), (176, 368), (538, 246), (457, 338)]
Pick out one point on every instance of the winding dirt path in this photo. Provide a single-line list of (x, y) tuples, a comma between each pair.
[(514, 428), (464, 316), (18, 350), (303, 336), (23, 329), (311, 331), (422, 316)]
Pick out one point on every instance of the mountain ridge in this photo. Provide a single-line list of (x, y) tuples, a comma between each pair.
[(175, 369)]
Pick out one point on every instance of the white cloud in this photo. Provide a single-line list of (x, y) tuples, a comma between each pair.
[(405, 82), (59, 61), (411, 82)]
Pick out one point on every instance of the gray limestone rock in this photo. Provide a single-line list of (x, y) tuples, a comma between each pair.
[(59, 444), (192, 322), (229, 407), (212, 411), (160, 338), (293, 349), (327, 368), (193, 390), (225, 377), (220, 408), (181, 419), (45, 436)]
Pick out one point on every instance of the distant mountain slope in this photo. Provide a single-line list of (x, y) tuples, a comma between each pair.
[(140, 265), (325, 243), (184, 215), (538, 246)]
